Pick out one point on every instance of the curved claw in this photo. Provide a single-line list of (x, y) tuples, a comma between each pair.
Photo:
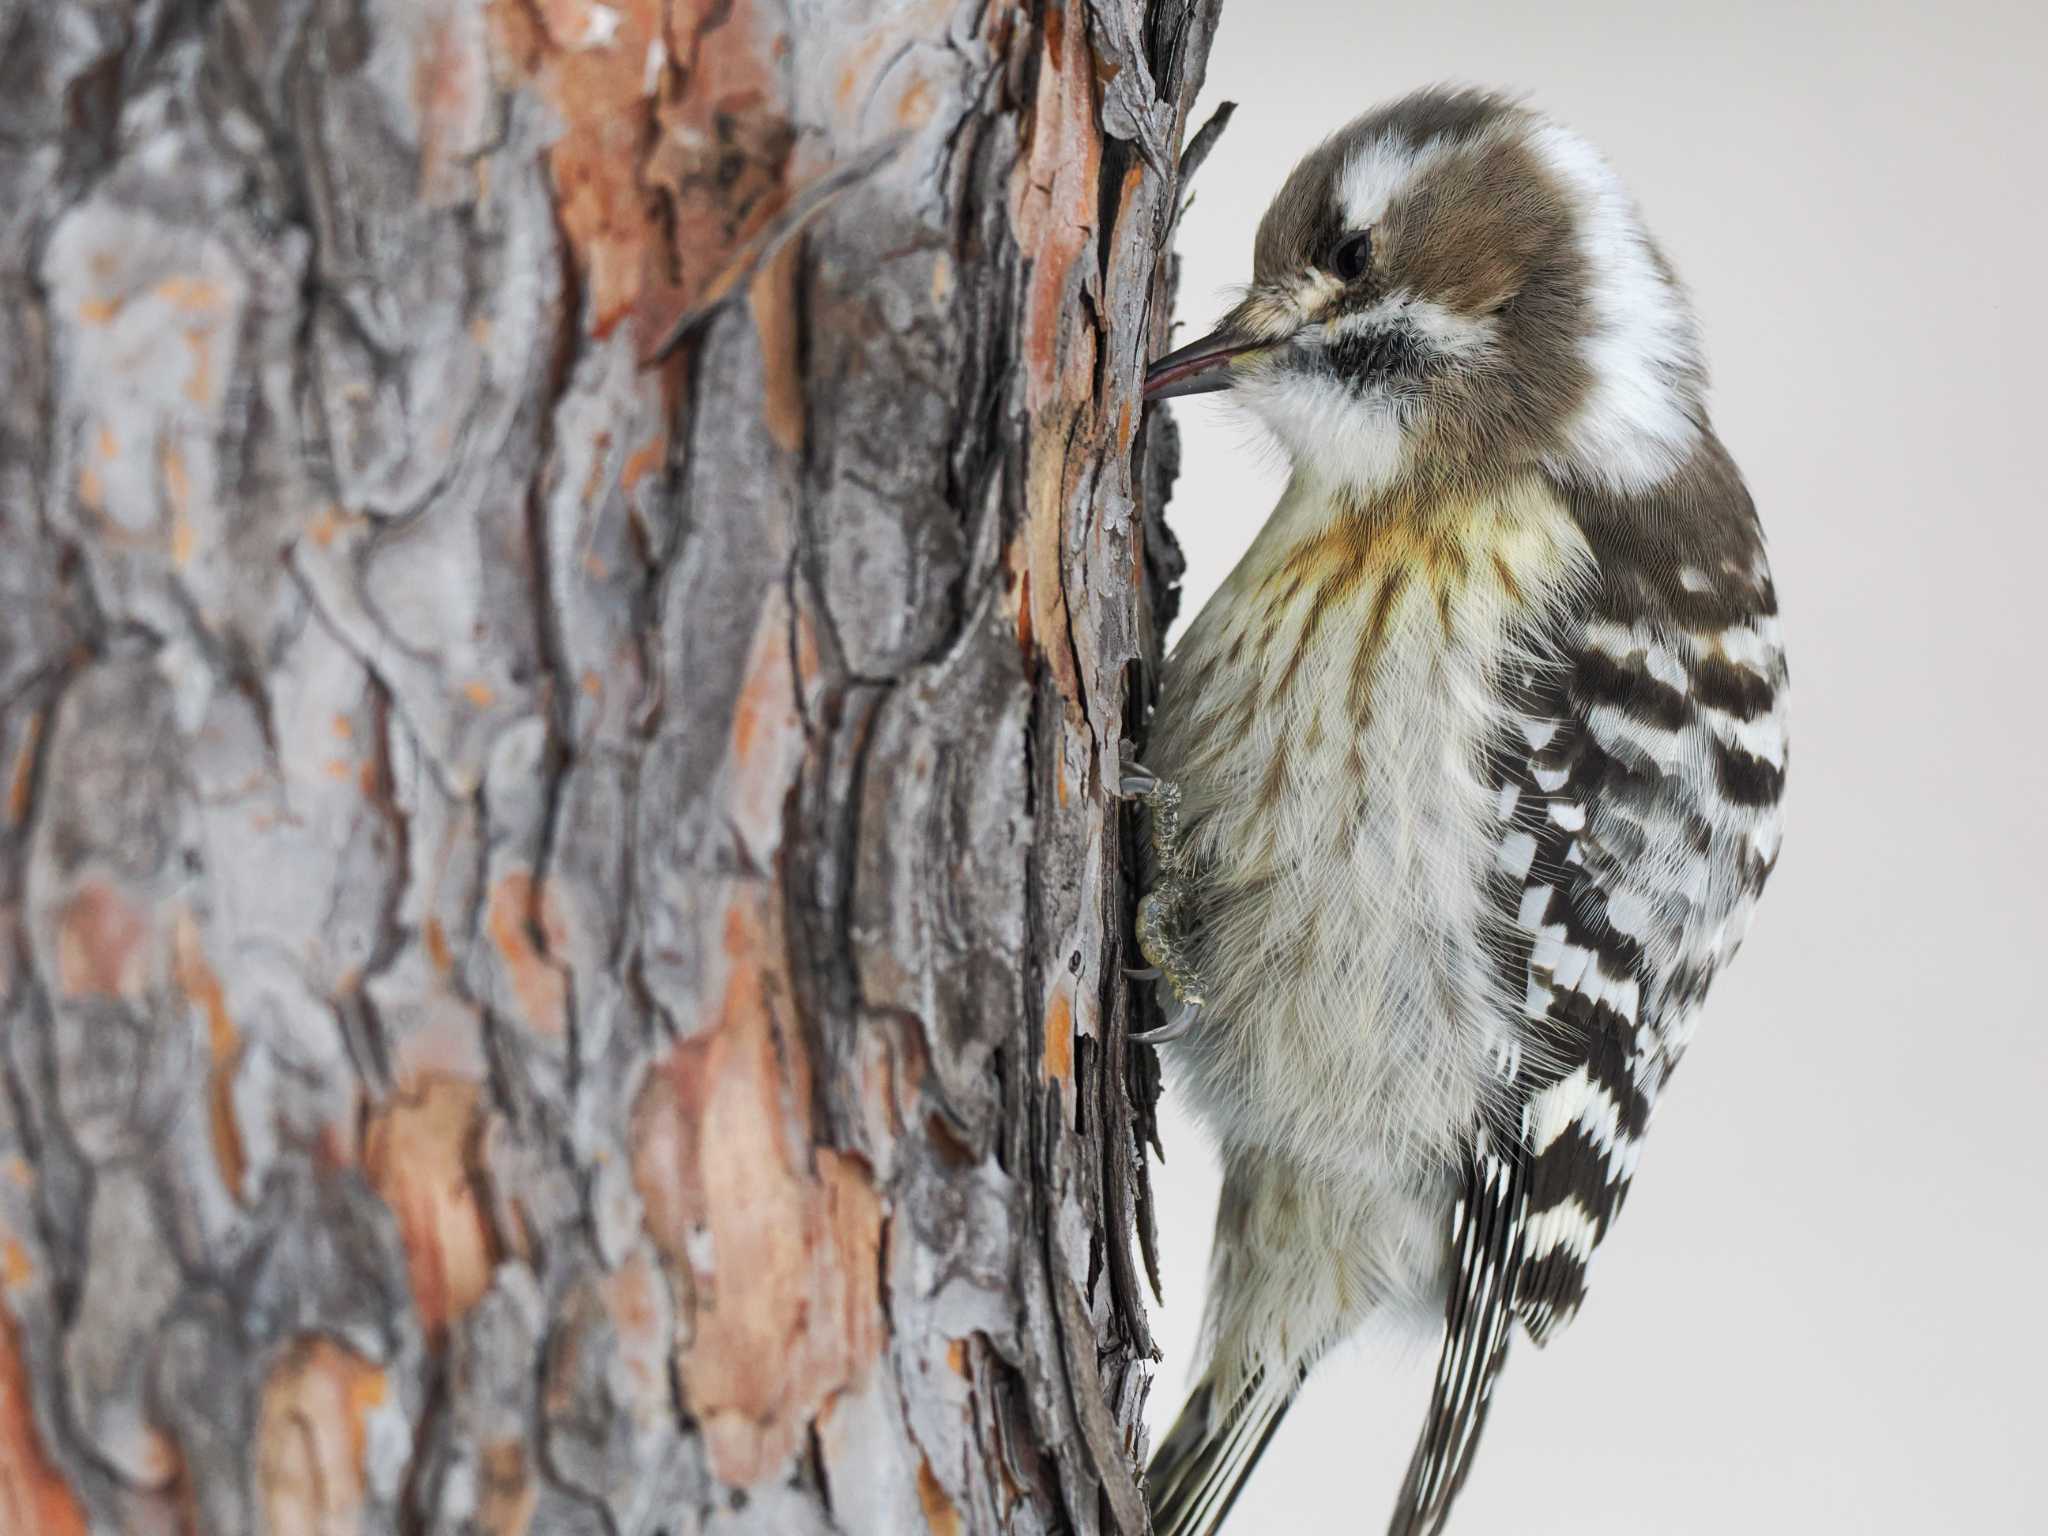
[(1143, 972), (1182, 1021), (1134, 780)]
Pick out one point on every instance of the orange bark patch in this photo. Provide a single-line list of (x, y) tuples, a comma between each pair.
[(436, 937), (939, 1514), (311, 1436), (766, 704), (781, 1252), (102, 944), (539, 989), (1044, 591), (33, 1493), (1057, 177), (418, 1157), (201, 986), (506, 1500), (448, 92), (767, 733), (177, 483), (191, 295), (327, 522), (1023, 590), (479, 693), (773, 301), (22, 778), (1059, 1035), (914, 108), (577, 23), (643, 461), (722, 151), (199, 384), (672, 147), (600, 460)]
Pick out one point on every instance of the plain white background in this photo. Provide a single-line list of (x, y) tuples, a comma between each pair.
[(1822, 1310)]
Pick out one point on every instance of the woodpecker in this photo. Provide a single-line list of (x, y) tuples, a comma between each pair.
[(1464, 784)]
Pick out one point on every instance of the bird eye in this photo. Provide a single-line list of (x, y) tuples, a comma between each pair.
[(1350, 256)]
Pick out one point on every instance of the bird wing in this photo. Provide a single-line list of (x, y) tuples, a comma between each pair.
[(1639, 819)]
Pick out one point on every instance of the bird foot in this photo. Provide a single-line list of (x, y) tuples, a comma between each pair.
[(1162, 910)]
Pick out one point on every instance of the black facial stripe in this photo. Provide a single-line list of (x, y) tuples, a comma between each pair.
[(1377, 354)]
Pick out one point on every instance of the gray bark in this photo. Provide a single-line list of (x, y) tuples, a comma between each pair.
[(570, 575)]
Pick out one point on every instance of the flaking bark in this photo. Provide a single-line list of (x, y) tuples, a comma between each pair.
[(560, 911)]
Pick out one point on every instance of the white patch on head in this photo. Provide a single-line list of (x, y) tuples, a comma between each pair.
[(1638, 422), (1375, 171)]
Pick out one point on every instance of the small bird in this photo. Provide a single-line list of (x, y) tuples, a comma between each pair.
[(1464, 784)]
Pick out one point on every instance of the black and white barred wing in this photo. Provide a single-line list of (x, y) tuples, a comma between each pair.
[(1639, 820)]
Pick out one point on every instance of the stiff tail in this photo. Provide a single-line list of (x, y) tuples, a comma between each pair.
[(1202, 1465), (1479, 1314)]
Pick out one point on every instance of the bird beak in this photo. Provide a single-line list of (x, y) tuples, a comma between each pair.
[(1200, 366)]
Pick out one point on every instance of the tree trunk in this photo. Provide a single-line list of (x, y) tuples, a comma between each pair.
[(570, 575)]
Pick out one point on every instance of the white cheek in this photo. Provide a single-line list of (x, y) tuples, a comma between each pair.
[(1330, 433), (1376, 170)]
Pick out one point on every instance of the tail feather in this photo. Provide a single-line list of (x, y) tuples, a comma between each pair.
[(1444, 1453), (1479, 1313), (1201, 1467)]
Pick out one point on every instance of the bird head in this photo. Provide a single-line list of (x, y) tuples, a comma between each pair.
[(1454, 285)]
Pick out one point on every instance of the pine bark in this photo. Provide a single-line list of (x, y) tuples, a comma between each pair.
[(570, 576)]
